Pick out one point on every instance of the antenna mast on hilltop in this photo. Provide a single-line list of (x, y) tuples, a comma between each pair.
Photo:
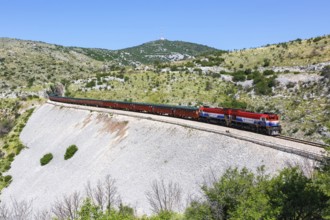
[(162, 35)]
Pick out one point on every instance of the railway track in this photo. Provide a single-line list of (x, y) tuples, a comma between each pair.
[(302, 141), (293, 150)]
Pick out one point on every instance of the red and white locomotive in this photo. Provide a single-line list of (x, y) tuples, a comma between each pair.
[(266, 123)]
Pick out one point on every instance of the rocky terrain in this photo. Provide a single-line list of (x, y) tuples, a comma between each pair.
[(133, 151)]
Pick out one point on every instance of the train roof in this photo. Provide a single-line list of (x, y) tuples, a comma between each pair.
[(140, 103)]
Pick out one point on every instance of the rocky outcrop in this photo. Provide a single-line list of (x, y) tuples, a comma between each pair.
[(300, 69)]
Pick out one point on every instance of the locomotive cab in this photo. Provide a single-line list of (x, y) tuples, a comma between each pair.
[(272, 123)]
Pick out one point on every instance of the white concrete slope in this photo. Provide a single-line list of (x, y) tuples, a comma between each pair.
[(132, 150)]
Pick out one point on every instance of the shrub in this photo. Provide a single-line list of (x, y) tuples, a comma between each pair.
[(90, 84), (248, 71), (326, 72), (46, 159), (266, 62), (268, 72), (261, 88), (316, 39), (7, 178), (239, 76), (70, 151)]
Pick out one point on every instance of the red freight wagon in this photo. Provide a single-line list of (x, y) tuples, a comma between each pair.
[(110, 104), (142, 107), (89, 102), (186, 113), (161, 110), (124, 105)]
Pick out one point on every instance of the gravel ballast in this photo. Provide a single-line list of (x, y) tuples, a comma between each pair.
[(133, 151)]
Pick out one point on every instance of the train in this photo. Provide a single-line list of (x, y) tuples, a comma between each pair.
[(264, 123)]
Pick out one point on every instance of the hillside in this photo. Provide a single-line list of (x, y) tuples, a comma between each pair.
[(133, 151), (284, 78), (293, 53), (29, 66)]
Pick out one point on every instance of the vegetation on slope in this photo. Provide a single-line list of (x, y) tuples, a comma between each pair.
[(237, 194), (170, 88), (302, 114), (10, 144), (293, 53)]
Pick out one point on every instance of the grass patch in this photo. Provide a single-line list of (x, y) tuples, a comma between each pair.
[(70, 151), (46, 159)]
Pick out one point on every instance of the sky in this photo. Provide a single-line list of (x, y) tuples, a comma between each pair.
[(118, 24)]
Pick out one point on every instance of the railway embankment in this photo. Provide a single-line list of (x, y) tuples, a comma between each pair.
[(134, 149)]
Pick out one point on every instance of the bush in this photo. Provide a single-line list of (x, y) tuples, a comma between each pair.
[(70, 151), (262, 85), (7, 178), (239, 76), (316, 39), (46, 159), (268, 72), (326, 72), (5, 126), (90, 84), (266, 62), (241, 194), (261, 88)]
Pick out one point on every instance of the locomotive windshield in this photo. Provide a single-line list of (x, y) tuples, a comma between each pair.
[(273, 117)]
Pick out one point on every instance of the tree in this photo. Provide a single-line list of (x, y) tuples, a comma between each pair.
[(198, 211), (322, 178), (223, 195), (68, 207), (89, 211), (164, 197), (296, 197), (19, 210), (105, 194)]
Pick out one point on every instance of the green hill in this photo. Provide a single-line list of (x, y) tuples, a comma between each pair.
[(164, 51), (147, 53)]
